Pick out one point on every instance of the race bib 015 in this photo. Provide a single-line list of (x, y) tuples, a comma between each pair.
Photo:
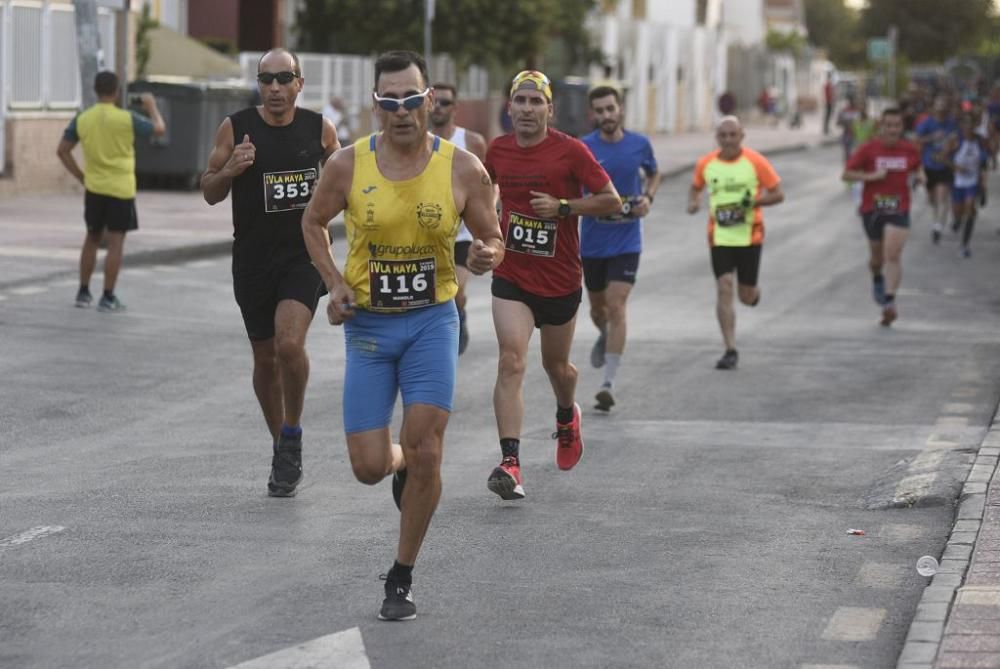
[(533, 236)]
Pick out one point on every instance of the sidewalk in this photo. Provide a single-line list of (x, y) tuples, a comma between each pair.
[(41, 235), (957, 624)]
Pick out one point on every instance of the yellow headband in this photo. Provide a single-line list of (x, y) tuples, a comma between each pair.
[(537, 80)]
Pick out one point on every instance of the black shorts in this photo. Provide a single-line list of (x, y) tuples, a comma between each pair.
[(935, 177), (744, 260), (259, 291), (875, 222), (462, 253), (597, 272), (546, 310), (104, 211)]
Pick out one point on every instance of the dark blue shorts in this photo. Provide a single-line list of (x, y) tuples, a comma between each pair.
[(598, 272), (875, 223)]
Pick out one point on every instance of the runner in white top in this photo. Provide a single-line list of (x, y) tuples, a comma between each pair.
[(443, 125)]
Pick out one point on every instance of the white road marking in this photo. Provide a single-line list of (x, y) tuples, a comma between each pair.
[(959, 407), (343, 650), (851, 623), (952, 421), (165, 268), (202, 263), (882, 575), (829, 666), (29, 290), (902, 532), (31, 535), (39, 252)]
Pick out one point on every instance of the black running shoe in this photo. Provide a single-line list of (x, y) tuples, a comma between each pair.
[(398, 483), (936, 233), (605, 398), (286, 467), (84, 298), (729, 360), (398, 603)]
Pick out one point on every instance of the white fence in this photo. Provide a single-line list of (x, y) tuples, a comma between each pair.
[(39, 67), (352, 78)]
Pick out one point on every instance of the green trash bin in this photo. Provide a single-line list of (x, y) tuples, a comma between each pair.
[(192, 111)]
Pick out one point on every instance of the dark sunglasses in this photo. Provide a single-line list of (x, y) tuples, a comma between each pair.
[(283, 78), (409, 103), (443, 103)]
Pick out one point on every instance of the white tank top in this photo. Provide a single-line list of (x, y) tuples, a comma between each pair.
[(458, 139)]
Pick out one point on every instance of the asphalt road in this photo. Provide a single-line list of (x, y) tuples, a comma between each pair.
[(705, 527)]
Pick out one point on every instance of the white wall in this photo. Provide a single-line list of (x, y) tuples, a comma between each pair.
[(675, 12), (744, 21)]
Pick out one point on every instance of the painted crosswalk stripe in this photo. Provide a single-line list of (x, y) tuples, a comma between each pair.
[(851, 623), (30, 535), (343, 650)]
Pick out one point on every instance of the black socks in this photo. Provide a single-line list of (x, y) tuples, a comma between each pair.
[(564, 415), (400, 573), (510, 448)]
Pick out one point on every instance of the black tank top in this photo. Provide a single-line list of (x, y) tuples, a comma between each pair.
[(269, 198)]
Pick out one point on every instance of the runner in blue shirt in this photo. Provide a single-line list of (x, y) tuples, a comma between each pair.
[(610, 247), (934, 136)]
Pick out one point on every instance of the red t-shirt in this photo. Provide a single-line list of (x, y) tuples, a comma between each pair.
[(543, 255), (892, 194)]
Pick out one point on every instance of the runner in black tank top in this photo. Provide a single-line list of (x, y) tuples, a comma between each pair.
[(269, 157)]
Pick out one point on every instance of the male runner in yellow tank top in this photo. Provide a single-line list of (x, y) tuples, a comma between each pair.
[(404, 192)]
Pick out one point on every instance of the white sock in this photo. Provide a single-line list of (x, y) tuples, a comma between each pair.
[(611, 362)]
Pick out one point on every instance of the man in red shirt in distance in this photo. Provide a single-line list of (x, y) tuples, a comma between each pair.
[(541, 174), (884, 165)]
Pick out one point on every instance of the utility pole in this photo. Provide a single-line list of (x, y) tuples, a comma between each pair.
[(88, 45), (122, 29), (428, 21), (893, 38)]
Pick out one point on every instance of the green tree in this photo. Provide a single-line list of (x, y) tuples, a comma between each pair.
[(833, 26), (930, 30), (507, 34)]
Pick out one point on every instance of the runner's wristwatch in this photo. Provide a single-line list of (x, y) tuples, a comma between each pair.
[(563, 207)]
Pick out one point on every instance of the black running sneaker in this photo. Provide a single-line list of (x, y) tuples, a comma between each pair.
[(729, 360), (286, 467), (398, 483), (605, 398), (398, 603), (84, 298)]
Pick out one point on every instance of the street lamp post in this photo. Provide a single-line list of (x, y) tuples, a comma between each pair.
[(428, 20)]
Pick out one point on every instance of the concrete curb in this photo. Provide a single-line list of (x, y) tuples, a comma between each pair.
[(923, 641), (164, 256), (777, 151)]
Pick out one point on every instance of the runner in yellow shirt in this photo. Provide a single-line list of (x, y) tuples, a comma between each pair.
[(740, 181)]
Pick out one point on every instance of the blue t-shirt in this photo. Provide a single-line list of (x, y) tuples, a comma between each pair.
[(939, 132), (622, 160)]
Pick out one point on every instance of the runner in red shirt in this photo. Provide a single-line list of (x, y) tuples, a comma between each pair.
[(884, 165), (541, 174)]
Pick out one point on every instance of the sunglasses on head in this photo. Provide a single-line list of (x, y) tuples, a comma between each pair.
[(409, 103), (267, 78)]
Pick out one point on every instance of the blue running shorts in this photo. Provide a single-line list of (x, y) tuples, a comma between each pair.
[(415, 353)]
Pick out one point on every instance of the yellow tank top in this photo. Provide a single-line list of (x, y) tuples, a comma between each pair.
[(401, 234)]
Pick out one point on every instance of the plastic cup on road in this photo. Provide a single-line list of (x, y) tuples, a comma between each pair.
[(927, 566)]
